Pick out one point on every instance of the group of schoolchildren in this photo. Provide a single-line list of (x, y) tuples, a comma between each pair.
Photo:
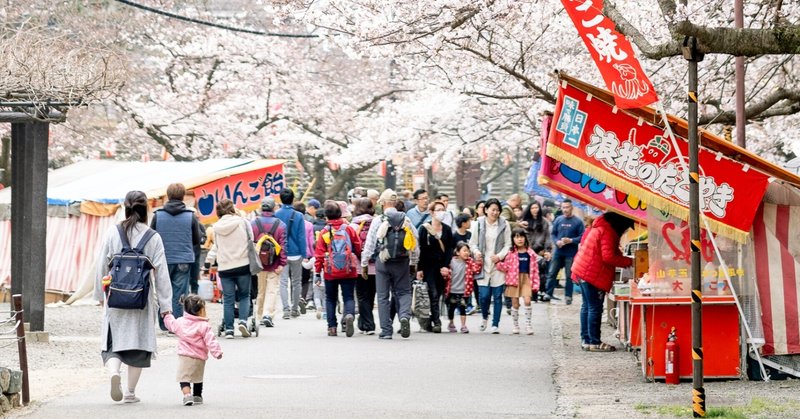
[(375, 246)]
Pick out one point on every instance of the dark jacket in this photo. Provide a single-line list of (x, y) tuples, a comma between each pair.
[(179, 230), (432, 254), (599, 255)]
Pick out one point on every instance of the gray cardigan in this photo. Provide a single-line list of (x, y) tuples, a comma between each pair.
[(134, 329)]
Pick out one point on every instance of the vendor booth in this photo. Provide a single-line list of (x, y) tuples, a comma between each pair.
[(84, 201), (626, 161)]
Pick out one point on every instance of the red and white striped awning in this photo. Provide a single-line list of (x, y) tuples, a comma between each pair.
[(777, 260)]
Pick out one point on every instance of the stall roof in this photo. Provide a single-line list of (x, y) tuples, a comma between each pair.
[(680, 127), (107, 181)]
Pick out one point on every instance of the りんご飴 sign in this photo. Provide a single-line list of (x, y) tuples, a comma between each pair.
[(246, 190), (637, 158)]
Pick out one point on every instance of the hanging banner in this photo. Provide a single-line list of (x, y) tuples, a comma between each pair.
[(564, 179), (246, 190), (612, 53), (635, 157)]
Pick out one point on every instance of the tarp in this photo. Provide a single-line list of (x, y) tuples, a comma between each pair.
[(97, 188), (635, 156)]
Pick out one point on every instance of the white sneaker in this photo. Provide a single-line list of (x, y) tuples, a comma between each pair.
[(515, 330), (483, 325), (528, 330), (116, 388), (243, 330), (495, 330)]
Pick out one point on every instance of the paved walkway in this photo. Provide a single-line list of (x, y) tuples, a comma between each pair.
[(295, 371)]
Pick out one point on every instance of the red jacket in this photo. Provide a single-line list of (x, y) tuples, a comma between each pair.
[(599, 255), (322, 247), (473, 267)]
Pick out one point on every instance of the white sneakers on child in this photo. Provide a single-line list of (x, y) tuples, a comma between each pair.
[(529, 330), (483, 325), (515, 330), (495, 330)]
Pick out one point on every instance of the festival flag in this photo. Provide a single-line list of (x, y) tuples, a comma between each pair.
[(612, 53)]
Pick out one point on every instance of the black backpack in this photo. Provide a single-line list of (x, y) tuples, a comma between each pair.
[(130, 274), (395, 236), (267, 252)]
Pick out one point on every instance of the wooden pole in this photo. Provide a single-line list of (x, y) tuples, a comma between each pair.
[(22, 347), (739, 65)]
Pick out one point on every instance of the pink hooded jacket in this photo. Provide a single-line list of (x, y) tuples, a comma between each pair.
[(195, 337), (510, 265)]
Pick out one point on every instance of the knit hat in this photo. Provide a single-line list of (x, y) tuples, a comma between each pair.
[(372, 194), (343, 207), (268, 204), (314, 203), (387, 195)]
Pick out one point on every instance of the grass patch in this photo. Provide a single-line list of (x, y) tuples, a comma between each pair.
[(757, 408)]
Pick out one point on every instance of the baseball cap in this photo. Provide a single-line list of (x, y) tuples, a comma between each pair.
[(268, 204), (388, 195), (314, 203)]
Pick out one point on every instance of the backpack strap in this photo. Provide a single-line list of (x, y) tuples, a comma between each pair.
[(123, 236), (259, 225), (273, 229), (145, 238)]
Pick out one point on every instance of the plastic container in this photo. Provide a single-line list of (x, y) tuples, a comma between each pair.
[(205, 289)]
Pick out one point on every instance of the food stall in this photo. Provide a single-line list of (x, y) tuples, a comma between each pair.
[(627, 161)]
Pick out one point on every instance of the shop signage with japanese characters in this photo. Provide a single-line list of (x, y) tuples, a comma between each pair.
[(637, 158), (246, 190)]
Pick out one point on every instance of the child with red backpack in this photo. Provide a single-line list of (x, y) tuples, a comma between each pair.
[(336, 254)]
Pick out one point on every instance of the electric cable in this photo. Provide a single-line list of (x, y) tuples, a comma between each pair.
[(212, 24)]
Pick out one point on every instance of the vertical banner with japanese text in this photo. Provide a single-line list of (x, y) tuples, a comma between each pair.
[(612, 53), (246, 190)]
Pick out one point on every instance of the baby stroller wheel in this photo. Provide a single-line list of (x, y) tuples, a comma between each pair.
[(220, 329), (253, 326)]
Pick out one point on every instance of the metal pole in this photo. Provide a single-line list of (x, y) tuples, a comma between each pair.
[(739, 61), (23, 351), (691, 53)]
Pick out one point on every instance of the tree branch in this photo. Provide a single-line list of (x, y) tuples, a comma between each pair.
[(743, 42), (759, 110), (655, 52), (377, 98)]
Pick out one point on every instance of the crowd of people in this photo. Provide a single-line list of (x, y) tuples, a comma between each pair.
[(346, 257)]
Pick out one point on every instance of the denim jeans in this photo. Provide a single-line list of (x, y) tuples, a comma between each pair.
[(332, 297), (495, 294), (233, 288), (179, 277), (591, 313), (556, 263)]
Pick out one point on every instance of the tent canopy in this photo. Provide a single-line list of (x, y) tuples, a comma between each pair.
[(107, 181)]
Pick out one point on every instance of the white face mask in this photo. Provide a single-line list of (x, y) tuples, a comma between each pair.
[(440, 215)]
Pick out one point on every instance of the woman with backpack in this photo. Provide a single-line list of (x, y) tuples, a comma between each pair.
[(435, 251), (234, 237), (363, 215), (129, 335), (336, 254)]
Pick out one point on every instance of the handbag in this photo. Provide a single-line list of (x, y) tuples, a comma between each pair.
[(252, 253), (482, 274)]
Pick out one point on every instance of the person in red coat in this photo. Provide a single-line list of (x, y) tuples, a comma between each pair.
[(594, 268), (339, 264)]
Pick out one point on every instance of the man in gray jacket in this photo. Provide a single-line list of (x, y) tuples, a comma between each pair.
[(393, 270)]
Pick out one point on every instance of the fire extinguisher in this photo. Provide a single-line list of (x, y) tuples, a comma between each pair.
[(671, 374)]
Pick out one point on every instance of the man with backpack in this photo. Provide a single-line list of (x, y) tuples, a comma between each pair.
[(180, 232), (296, 254), (270, 235), (393, 239)]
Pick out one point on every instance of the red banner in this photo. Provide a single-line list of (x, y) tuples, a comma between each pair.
[(246, 190), (612, 53), (637, 158)]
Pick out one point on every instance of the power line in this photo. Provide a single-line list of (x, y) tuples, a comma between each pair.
[(212, 24)]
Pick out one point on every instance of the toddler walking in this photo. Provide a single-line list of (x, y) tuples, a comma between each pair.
[(522, 277), (459, 284), (196, 340)]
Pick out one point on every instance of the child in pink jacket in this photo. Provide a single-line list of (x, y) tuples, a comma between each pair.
[(522, 277), (196, 340)]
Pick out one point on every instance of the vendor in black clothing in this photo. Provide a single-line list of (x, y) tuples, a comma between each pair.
[(436, 248)]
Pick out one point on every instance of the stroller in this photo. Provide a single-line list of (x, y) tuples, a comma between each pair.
[(252, 324)]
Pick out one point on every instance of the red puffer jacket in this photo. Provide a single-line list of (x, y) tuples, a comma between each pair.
[(598, 255)]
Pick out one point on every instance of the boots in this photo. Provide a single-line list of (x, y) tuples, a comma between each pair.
[(528, 325), (515, 317)]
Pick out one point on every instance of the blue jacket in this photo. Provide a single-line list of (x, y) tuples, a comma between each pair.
[(571, 227), (295, 231)]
